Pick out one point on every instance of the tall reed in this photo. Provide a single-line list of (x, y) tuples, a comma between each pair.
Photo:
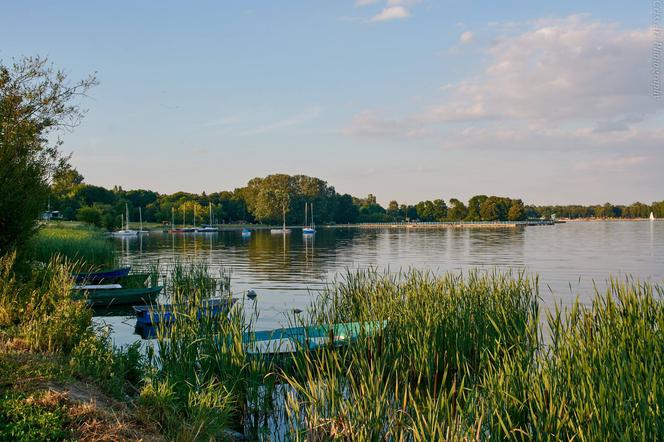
[(87, 245)]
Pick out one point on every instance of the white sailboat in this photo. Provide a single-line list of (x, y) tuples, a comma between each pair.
[(652, 216), (283, 230), (126, 231), (308, 229), (140, 223), (208, 228)]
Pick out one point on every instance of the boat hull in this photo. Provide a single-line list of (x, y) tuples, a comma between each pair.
[(131, 296), (148, 315), (98, 277)]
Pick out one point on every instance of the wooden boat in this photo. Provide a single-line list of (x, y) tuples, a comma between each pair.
[(123, 296), (149, 315), (291, 340), (280, 231), (103, 276)]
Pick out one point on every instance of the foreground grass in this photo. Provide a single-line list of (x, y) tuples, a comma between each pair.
[(461, 357), (59, 378), (73, 241)]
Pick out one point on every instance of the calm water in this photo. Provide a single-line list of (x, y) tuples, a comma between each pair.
[(287, 271)]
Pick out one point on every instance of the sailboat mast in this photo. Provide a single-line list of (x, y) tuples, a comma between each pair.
[(210, 214), (184, 215), (127, 220), (194, 214), (305, 215), (140, 218), (172, 218), (312, 215)]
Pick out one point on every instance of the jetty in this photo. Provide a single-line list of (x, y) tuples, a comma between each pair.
[(449, 224)]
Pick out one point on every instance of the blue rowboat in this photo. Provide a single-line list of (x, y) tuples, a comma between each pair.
[(105, 276), (214, 308), (246, 233), (308, 231)]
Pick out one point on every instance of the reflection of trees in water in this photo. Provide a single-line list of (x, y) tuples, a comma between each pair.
[(508, 244), (285, 256)]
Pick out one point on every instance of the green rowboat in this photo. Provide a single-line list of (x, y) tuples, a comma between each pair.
[(109, 297)]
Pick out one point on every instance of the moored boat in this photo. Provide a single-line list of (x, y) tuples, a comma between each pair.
[(115, 296), (214, 308), (294, 339), (126, 231), (308, 229), (207, 229), (102, 276)]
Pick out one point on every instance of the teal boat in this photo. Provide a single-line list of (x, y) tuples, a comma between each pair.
[(118, 296), (294, 339)]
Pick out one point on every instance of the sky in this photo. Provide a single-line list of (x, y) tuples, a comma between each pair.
[(550, 102)]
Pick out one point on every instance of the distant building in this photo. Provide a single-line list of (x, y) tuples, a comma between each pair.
[(49, 215)]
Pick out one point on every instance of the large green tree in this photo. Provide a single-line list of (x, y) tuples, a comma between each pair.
[(35, 101)]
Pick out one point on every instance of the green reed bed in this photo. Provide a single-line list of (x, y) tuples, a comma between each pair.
[(202, 380), (85, 244), (461, 357)]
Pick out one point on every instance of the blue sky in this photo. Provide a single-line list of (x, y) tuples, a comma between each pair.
[(406, 99)]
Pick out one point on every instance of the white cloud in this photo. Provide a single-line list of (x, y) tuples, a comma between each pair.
[(391, 13), (360, 3), (570, 83), (402, 2), (466, 37), (562, 69)]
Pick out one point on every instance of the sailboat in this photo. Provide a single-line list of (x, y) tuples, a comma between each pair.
[(208, 228), (283, 230), (308, 229), (140, 224), (126, 231), (184, 220), (652, 216)]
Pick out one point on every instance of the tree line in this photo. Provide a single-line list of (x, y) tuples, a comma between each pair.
[(269, 199)]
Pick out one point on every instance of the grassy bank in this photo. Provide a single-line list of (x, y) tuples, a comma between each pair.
[(461, 357), (73, 241)]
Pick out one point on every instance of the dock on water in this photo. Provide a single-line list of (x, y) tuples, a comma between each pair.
[(449, 225)]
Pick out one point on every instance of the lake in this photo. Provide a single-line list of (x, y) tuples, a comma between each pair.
[(287, 271)]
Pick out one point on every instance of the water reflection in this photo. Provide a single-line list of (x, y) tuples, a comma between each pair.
[(285, 270)]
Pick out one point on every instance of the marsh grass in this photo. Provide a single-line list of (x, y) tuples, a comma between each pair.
[(463, 358), (84, 244)]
